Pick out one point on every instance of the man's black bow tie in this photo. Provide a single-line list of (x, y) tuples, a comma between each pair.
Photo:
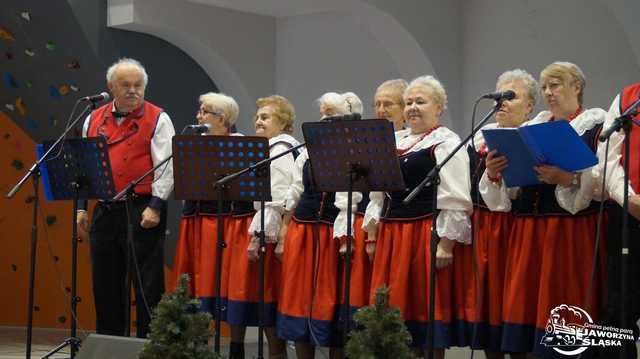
[(119, 114)]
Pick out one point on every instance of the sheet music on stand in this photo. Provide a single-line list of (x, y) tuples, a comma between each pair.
[(84, 161), (199, 161), (337, 147)]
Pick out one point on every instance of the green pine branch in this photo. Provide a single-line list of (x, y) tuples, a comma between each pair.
[(178, 330), (380, 333)]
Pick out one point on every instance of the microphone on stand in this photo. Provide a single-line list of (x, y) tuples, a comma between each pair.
[(103, 96), (201, 128), (619, 122), (500, 96)]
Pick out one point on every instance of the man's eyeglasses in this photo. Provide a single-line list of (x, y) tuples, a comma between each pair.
[(385, 105)]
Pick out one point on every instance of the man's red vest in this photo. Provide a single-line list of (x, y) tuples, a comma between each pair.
[(627, 97), (129, 143)]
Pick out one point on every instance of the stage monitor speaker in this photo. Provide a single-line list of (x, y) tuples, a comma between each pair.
[(97, 346)]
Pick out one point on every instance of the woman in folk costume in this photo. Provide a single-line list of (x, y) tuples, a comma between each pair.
[(196, 249), (273, 120), (309, 288), (389, 105), (553, 233), (401, 234), (479, 308)]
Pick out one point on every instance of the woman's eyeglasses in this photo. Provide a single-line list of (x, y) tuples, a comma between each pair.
[(205, 112)]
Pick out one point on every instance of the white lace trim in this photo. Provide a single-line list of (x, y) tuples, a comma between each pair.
[(454, 225), (272, 223), (438, 136), (587, 120)]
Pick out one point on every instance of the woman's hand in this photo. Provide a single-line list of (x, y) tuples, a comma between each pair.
[(634, 206), (555, 175), (253, 248), (444, 252), (495, 164), (282, 234), (370, 243), (279, 251)]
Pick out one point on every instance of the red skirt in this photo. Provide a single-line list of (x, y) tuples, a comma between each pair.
[(243, 288), (549, 262), (478, 308), (360, 286), (402, 263), (309, 295), (196, 255)]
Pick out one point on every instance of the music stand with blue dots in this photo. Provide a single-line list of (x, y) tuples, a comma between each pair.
[(78, 170), (201, 161), (349, 156)]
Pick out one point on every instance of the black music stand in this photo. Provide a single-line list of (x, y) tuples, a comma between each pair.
[(352, 156), (200, 163), (80, 171)]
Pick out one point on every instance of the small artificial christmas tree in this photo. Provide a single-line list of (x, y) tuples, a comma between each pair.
[(177, 330), (381, 333)]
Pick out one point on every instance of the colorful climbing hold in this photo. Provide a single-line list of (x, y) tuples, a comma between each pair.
[(6, 35), (21, 106)]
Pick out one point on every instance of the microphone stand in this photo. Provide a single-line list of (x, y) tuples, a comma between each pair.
[(220, 186), (34, 173), (624, 122), (127, 193), (433, 178), (355, 172)]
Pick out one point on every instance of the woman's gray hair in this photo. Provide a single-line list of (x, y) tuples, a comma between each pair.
[(431, 83), (530, 84), (128, 62), (345, 103), (222, 104)]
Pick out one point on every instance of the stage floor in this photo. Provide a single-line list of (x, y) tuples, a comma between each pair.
[(13, 339)]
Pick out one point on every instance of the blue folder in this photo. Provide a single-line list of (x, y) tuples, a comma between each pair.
[(553, 143), (44, 174)]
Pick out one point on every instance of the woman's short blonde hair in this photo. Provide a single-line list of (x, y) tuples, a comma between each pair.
[(519, 75), (345, 103), (567, 72), (285, 112), (429, 83), (222, 104), (396, 86)]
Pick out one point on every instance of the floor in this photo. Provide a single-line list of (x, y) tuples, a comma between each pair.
[(13, 339)]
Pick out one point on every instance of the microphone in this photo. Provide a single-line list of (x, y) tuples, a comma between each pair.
[(500, 96), (203, 128), (103, 96), (618, 123)]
